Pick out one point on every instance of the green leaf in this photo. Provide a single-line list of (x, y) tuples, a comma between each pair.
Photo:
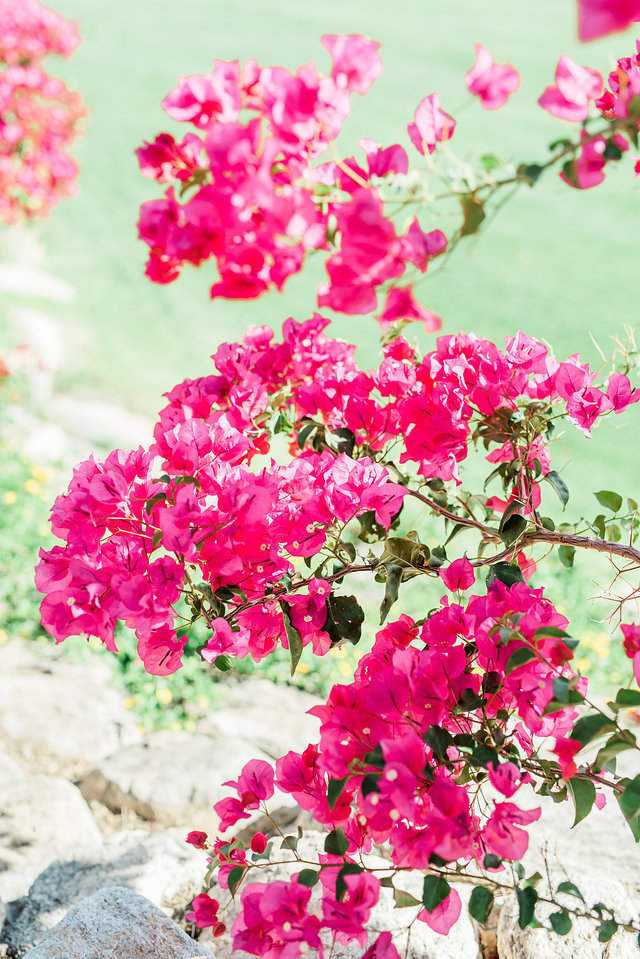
[(370, 783), (308, 877), (404, 899), (607, 929), (223, 663), (629, 802), (550, 631), (588, 727), (235, 878), (490, 162), (370, 530), (391, 589), (609, 499), (566, 555), (387, 882), (628, 697), (613, 746), (530, 172), (153, 501), (336, 843), (349, 869), (434, 891), (480, 903), (527, 899), (560, 922), (512, 529), (304, 433), (583, 794), (491, 861), (570, 889), (344, 619), (519, 658), (405, 551), (293, 635), (472, 212), (507, 573), (334, 790), (289, 842), (559, 485), (438, 740)]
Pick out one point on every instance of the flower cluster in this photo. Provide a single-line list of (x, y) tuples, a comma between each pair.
[(138, 524), (38, 114)]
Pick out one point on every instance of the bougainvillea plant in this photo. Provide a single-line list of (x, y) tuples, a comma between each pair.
[(39, 116), (289, 477)]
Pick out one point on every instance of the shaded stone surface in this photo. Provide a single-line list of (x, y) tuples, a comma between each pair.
[(42, 818), (164, 870), (116, 923)]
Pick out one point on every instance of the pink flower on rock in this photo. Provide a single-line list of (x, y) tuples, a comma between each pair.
[(492, 82), (502, 834), (431, 125), (575, 87), (444, 916), (205, 911), (597, 18)]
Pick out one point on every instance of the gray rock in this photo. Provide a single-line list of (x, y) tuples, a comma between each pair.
[(273, 718), (54, 707), (164, 870), (9, 770), (174, 777), (116, 923), (422, 943), (582, 941), (42, 818)]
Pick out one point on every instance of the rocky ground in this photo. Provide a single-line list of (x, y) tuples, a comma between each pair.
[(94, 814)]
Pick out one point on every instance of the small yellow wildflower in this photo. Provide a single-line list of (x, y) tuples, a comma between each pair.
[(4, 636), (10, 497), (129, 702), (303, 668), (33, 488), (345, 669), (598, 642), (164, 695), (583, 664), (202, 701)]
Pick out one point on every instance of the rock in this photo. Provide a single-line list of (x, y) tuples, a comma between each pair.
[(8, 770), (116, 923), (174, 777), (582, 941), (53, 707), (274, 718), (102, 424), (41, 819), (423, 943), (164, 870)]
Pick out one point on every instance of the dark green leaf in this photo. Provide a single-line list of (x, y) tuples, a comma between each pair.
[(583, 794), (289, 842), (473, 213), (527, 899), (628, 697), (344, 619), (405, 551), (223, 663), (334, 790), (599, 525), (404, 899), (434, 891), (554, 631), (438, 557), (560, 922), (629, 801), (507, 573), (588, 727), (519, 658), (480, 903), (613, 746), (438, 740), (153, 501), (391, 590), (304, 433), (370, 784), (387, 882), (607, 929), (492, 861), (235, 878), (370, 530), (566, 555), (293, 635), (308, 877), (609, 499), (559, 485), (530, 172), (570, 889), (513, 529), (336, 843)]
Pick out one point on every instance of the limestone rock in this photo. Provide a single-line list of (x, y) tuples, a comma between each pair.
[(582, 941), (174, 777), (166, 871), (53, 707), (115, 923), (42, 818)]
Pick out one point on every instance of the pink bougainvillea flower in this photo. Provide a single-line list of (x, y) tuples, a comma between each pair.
[(197, 839), (431, 125), (502, 834), (565, 749), (587, 170), (444, 916), (356, 63), (505, 777), (205, 911), (458, 575), (575, 87), (400, 305), (631, 632), (597, 18), (492, 82), (258, 842)]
